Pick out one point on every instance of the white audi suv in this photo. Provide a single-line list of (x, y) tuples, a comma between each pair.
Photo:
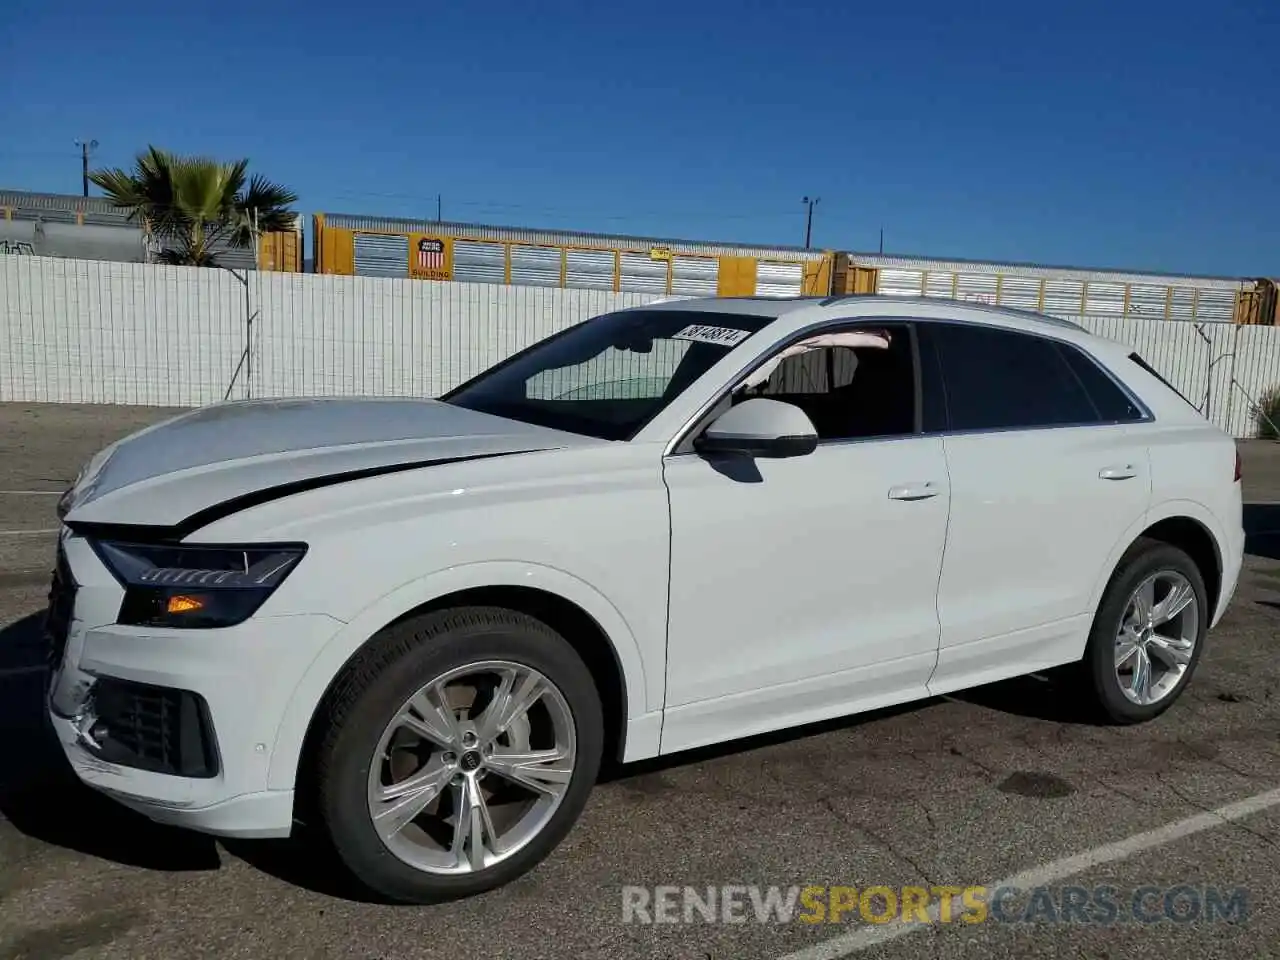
[(420, 625)]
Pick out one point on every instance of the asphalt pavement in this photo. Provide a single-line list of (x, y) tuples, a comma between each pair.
[(1099, 836)]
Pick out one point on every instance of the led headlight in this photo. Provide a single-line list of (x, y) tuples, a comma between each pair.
[(180, 585)]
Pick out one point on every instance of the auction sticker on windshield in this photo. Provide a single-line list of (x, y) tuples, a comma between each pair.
[(703, 333)]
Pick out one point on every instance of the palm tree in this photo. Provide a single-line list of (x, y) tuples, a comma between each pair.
[(193, 204)]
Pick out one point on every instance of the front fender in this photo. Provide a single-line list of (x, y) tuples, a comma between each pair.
[(643, 686)]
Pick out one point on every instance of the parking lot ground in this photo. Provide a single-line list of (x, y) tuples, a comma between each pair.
[(957, 791)]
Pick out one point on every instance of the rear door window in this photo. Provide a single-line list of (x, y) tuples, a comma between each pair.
[(996, 379)]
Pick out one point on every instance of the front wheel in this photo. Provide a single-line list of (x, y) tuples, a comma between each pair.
[(1147, 636), (459, 751)]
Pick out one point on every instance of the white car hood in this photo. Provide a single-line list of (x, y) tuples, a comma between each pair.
[(175, 469)]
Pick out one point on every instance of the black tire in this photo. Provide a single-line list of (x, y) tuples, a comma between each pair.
[(1095, 675), (394, 665)]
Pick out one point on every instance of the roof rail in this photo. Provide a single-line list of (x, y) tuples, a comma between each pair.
[(841, 297), (998, 309)]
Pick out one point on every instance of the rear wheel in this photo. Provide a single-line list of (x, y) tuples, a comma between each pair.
[(1147, 636), (460, 749)]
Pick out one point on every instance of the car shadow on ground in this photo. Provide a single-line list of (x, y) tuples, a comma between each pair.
[(40, 796), (1049, 697)]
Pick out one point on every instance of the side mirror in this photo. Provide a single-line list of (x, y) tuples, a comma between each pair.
[(760, 427)]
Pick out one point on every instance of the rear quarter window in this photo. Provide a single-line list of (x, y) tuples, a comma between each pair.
[(1113, 403)]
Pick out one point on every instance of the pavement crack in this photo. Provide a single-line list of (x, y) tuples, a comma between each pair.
[(1201, 706), (1141, 801), (988, 772), (1216, 761), (1235, 824), (877, 838), (928, 815)]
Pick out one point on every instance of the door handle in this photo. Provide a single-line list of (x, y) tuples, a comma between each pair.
[(915, 491), (1125, 472)]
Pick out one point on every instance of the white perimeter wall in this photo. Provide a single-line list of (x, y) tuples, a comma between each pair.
[(82, 331), (85, 331)]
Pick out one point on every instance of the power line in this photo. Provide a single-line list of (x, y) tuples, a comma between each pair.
[(35, 153)]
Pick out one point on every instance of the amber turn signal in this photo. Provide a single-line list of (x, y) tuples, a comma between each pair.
[(184, 604)]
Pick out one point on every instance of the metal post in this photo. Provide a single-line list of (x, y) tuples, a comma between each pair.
[(85, 146), (246, 355), (1208, 379), (1235, 348), (248, 343), (248, 314)]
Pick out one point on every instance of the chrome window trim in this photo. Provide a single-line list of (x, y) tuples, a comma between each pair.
[(685, 434)]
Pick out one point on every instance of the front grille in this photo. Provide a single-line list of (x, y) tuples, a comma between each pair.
[(62, 602), (152, 728)]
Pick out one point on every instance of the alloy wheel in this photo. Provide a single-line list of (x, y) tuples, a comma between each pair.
[(472, 767), (1157, 637)]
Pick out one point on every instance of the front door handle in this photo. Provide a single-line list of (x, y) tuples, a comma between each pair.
[(1125, 472), (915, 491)]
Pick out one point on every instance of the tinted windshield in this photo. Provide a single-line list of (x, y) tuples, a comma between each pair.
[(609, 376)]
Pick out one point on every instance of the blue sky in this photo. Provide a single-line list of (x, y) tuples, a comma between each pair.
[(1126, 134)]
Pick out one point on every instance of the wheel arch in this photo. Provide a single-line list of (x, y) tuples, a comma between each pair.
[(1187, 525), (582, 631), (569, 606), (1193, 538)]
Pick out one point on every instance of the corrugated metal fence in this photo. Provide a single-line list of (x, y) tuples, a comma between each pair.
[(1223, 368), (80, 331), (99, 332)]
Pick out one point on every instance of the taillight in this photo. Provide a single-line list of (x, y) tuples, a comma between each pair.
[(1236, 478)]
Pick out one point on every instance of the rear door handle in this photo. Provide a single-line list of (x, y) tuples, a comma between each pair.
[(1125, 472), (915, 491)]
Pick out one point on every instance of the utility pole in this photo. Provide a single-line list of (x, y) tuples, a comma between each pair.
[(86, 147), (882, 239), (808, 223), (437, 208)]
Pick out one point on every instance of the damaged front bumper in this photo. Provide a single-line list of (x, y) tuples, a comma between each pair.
[(180, 725)]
